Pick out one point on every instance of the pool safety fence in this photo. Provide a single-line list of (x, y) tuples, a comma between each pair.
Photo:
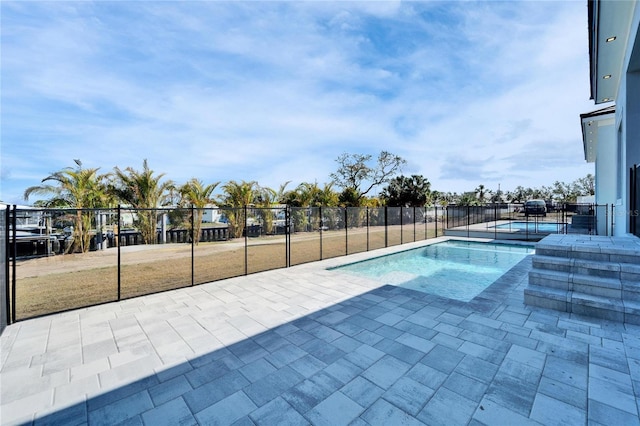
[(57, 260), (495, 220)]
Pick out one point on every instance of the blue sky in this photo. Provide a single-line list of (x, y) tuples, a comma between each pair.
[(468, 92)]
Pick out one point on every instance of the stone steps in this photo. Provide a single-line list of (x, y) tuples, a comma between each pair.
[(587, 275)]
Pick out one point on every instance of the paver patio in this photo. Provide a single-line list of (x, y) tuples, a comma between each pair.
[(309, 346)]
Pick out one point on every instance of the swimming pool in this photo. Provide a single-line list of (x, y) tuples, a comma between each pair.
[(550, 227), (454, 269)]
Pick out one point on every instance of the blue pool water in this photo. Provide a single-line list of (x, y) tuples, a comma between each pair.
[(454, 269), (534, 226)]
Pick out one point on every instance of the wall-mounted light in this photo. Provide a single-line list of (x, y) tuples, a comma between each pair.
[(606, 99), (607, 77), (610, 39)]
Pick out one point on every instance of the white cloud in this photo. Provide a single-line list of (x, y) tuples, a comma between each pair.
[(468, 92)]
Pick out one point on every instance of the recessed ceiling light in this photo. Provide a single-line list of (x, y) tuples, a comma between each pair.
[(607, 77), (610, 39)]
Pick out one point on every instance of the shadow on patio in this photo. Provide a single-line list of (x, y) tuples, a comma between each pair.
[(388, 356)]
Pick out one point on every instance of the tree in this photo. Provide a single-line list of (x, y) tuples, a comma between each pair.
[(145, 192), (443, 198), (519, 195), (198, 195), (357, 178), (236, 196), (327, 196), (585, 185), (469, 199), (497, 197), (405, 191), (349, 197), (77, 188), (481, 193), (563, 192), (265, 198)]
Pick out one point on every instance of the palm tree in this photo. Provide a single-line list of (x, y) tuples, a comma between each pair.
[(481, 193), (143, 191), (327, 196), (77, 188), (237, 195), (199, 196), (265, 199), (468, 199)]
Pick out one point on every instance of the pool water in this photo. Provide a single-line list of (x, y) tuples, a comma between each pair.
[(551, 227), (454, 269)]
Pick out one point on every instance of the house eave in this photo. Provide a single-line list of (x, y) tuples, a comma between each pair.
[(609, 28), (590, 123)]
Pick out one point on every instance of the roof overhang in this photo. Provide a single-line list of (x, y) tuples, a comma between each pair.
[(591, 123), (609, 32)]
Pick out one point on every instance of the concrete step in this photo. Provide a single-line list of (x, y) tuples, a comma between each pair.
[(585, 267), (546, 297), (552, 263), (587, 284), (587, 275), (596, 306), (583, 304), (591, 248), (557, 280)]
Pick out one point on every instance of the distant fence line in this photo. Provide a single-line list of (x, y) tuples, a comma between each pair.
[(217, 243)]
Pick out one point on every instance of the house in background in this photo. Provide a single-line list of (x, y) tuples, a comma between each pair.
[(612, 135)]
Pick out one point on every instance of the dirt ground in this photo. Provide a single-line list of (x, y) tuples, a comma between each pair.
[(52, 284)]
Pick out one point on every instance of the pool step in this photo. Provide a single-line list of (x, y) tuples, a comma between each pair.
[(587, 268), (587, 275)]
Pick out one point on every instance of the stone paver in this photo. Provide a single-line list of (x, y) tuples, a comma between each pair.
[(306, 345)]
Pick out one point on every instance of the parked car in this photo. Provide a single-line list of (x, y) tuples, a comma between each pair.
[(535, 207)]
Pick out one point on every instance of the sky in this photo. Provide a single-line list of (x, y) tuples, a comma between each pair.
[(468, 92)]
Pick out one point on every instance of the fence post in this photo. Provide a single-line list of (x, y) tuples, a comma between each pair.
[(117, 238), (193, 243), (346, 232), (445, 218), (401, 227), (386, 226), (367, 211), (436, 221), (414, 224), (495, 220), (7, 294), (14, 224), (321, 226), (424, 220), (468, 213), (287, 236), (246, 242)]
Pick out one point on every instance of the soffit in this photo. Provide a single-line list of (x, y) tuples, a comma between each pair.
[(591, 123), (609, 32)]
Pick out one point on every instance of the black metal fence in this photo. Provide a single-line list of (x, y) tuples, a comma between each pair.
[(62, 259), (512, 221)]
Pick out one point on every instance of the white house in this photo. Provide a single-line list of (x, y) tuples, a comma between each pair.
[(611, 135), (211, 214)]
